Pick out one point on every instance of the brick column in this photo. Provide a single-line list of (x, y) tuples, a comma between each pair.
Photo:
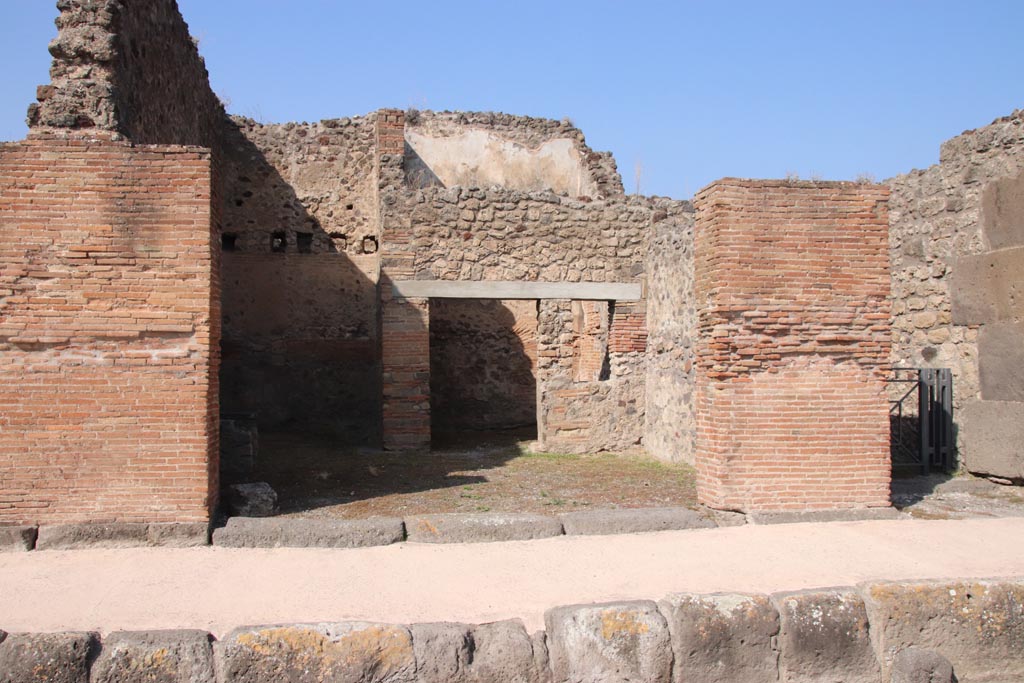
[(792, 281)]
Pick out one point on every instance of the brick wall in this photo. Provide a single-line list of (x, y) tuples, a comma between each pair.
[(109, 325), (792, 283)]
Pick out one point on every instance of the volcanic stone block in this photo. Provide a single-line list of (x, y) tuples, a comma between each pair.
[(993, 438), (477, 528), (155, 657), (841, 515), (610, 643), (824, 636), (17, 538), (121, 535), (1002, 212), (49, 657), (633, 521), (458, 653), (916, 665), (255, 499), (722, 638), (252, 532), (1001, 361), (978, 625), (987, 288), (312, 653)]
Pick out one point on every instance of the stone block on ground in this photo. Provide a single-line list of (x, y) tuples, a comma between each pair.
[(722, 638), (255, 499), (155, 657), (977, 625), (824, 636), (46, 657), (917, 665), (589, 522), (838, 515), (609, 643), (252, 532), (121, 535), (459, 653), (312, 653), (1001, 361), (476, 528), (993, 438), (17, 538)]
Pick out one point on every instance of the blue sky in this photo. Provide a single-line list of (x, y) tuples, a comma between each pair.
[(687, 91)]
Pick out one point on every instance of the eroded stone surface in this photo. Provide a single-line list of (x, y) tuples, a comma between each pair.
[(247, 532), (977, 625), (609, 643), (476, 528), (1001, 361), (633, 521), (122, 535), (460, 653), (993, 438), (46, 657), (824, 635), (255, 499), (17, 538), (155, 657), (723, 638), (916, 665), (312, 653)]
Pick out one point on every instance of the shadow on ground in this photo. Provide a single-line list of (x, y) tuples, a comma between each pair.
[(484, 472), (942, 496)]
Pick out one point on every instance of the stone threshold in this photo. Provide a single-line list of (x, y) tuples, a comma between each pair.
[(286, 532)]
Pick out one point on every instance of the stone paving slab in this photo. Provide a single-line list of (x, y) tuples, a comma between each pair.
[(252, 532), (594, 522), (480, 528), (17, 538)]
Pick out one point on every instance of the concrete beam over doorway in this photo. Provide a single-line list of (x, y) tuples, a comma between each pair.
[(457, 289)]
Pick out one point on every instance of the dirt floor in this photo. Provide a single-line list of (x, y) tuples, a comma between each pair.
[(940, 496), (491, 472)]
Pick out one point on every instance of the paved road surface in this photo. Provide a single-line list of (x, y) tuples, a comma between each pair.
[(218, 588)]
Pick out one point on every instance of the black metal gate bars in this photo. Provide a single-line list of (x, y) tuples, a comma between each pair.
[(922, 435)]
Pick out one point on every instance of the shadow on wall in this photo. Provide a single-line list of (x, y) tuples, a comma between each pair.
[(299, 315), (483, 365)]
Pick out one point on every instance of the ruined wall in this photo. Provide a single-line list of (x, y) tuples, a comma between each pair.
[(793, 284), (501, 234), (578, 413), (956, 250), (300, 272), (129, 68), (670, 425), (483, 360), (109, 320), (482, 149)]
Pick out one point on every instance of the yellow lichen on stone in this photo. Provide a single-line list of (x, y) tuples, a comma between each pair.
[(273, 640), (615, 623)]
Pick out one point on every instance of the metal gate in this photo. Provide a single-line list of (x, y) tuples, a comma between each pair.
[(922, 429)]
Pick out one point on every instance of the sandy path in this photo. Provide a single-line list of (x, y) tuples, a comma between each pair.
[(217, 588)]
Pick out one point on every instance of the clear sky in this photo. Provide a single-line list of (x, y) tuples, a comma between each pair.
[(686, 91)]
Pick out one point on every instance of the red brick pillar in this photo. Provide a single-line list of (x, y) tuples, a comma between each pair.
[(792, 281)]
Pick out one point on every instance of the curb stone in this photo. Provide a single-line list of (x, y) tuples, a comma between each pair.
[(628, 521), (50, 657), (173, 655), (843, 515), (16, 539), (251, 532), (122, 535), (480, 528)]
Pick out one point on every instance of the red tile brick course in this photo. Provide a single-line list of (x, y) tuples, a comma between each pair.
[(792, 285), (109, 330)]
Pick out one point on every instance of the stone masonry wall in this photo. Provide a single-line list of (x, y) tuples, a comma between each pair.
[(793, 284), (517, 152), (483, 364), (956, 240), (912, 631), (670, 425), (300, 273), (130, 68), (109, 318)]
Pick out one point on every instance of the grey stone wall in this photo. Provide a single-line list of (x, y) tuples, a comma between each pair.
[(670, 425), (927, 631), (130, 68), (501, 234), (957, 264)]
